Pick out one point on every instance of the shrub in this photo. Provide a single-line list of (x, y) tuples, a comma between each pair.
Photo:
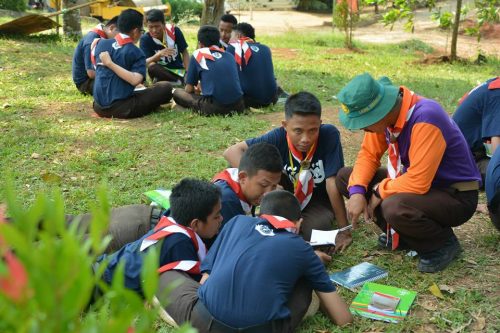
[(17, 5), (184, 10), (57, 263)]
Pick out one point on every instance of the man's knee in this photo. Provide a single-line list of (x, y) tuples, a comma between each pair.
[(342, 180)]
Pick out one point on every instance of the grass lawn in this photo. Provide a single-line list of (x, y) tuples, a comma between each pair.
[(49, 137)]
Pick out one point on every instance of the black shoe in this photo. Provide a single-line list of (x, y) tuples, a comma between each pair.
[(382, 242), (439, 259)]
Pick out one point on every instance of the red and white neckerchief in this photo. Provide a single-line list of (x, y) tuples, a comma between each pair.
[(304, 181), (166, 227), (279, 222), (242, 50), (99, 29), (92, 51), (170, 35), (394, 165), (123, 39), (201, 55), (230, 176)]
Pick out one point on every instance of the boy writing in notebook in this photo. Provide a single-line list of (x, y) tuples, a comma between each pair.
[(312, 155), (82, 69), (165, 47), (217, 74), (120, 68)]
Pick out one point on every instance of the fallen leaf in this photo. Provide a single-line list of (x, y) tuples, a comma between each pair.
[(35, 156), (51, 178), (434, 289), (447, 288), (461, 328), (470, 261), (426, 329), (429, 305), (479, 323)]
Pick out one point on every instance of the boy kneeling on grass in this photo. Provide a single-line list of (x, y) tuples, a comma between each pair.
[(217, 74), (311, 153), (120, 71), (194, 214), (258, 276)]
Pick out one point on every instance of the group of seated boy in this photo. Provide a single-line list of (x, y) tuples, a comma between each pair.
[(242, 271), (228, 72)]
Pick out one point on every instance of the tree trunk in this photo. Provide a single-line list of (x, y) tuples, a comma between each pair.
[(71, 21), (454, 34), (212, 11)]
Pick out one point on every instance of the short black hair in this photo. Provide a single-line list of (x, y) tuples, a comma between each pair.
[(208, 35), (155, 15), (229, 19), (302, 103), (128, 20), (113, 20), (261, 156), (245, 29), (193, 199), (281, 203)]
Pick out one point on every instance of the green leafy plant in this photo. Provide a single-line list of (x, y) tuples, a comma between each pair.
[(57, 259), (345, 19), (185, 10), (16, 5)]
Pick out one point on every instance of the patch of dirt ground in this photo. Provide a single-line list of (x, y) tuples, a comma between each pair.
[(426, 30)]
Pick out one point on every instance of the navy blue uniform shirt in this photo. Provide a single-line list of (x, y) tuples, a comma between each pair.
[(150, 47), (220, 81), (326, 162), (257, 77), (109, 87), (81, 58), (253, 270)]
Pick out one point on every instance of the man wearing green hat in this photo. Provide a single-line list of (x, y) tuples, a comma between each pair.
[(431, 181)]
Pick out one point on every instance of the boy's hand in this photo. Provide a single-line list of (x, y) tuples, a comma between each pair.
[(343, 240), (105, 58), (168, 52), (325, 258), (356, 205)]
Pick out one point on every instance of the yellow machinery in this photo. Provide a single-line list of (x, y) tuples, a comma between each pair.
[(107, 9)]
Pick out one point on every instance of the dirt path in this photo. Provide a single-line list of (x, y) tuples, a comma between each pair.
[(275, 22)]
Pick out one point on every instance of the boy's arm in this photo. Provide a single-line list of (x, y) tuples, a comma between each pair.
[(344, 239), (91, 73), (185, 59), (189, 88), (131, 77), (335, 308), (233, 154)]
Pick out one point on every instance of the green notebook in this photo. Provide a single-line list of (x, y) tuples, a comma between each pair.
[(381, 302), (160, 197)]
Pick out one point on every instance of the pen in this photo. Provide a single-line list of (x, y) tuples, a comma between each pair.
[(347, 227)]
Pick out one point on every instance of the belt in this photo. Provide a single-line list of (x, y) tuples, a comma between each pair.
[(156, 215), (466, 186), (217, 326)]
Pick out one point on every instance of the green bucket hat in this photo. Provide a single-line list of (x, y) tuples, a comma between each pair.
[(365, 101)]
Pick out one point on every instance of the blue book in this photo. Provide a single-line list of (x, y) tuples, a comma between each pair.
[(356, 276)]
